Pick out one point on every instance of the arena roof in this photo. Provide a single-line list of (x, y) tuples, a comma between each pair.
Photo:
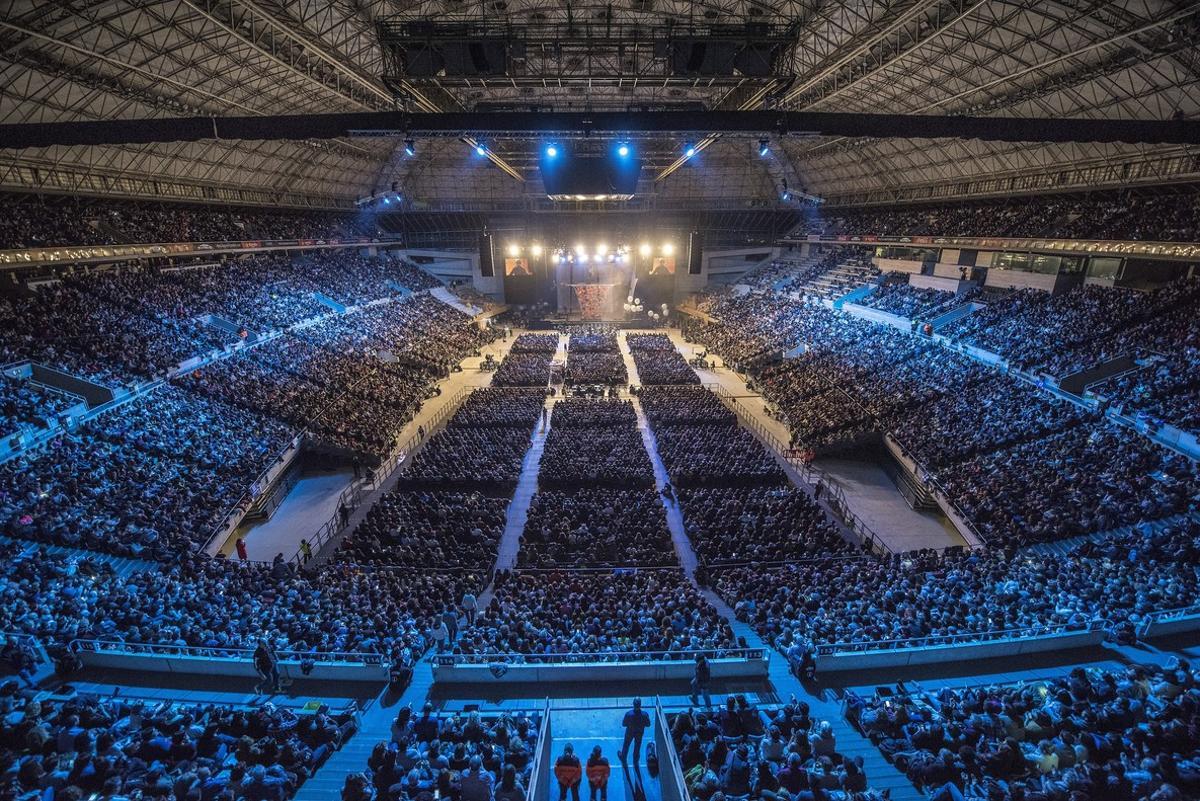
[(139, 59)]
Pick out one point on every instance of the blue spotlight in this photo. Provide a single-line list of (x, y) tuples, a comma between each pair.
[(764, 147), (410, 148), (689, 150), (623, 150), (551, 151), (480, 149), (387, 200)]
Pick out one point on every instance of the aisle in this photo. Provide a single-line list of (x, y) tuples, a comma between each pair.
[(586, 728)]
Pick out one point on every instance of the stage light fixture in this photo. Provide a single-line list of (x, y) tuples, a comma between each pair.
[(668, 249), (580, 250), (622, 150), (645, 249), (514, 250), (689, 150), (480, 149), (601, 249), (536, 249), (387, 200), (551, 151), (410, 147), (583, 259), (764, 147)]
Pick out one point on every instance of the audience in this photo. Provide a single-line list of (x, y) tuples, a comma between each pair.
[(27, 405), (93, 747), (596, 528), (931, 596), (658, 362), (468, 757), (771, 754), (1095, 733), (429, 529), (758, 524), (553, 613)]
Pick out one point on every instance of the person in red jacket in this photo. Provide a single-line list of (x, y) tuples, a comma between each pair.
[(598, 771), (569, 773)]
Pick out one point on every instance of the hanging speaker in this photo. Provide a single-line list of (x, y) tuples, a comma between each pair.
[(487, 267), (695, 252)]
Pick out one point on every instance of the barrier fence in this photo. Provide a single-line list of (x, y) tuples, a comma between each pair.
[(221, 652), (454, 660), (539, 773), (966, 638)]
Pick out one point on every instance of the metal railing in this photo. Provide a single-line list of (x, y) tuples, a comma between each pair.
[(352, 496), (1166, 616), (964, 638), (927, 479), (601, 657), (221, 652), (29, 643)]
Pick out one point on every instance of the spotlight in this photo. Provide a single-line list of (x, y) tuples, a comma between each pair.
[(786, 195), (601, 249), (580, 250), (645, 249), (480, 149), (387, 200), (668, 249), (764, 147), (410, 147), (689, 150), (514, 251), (551, 151), (622, 150), (536, 250)]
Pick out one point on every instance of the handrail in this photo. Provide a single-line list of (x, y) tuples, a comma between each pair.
[(29, 642), (539, 776), (1020, 633), (222, 652), (930, 482), (1172, 614), (454, 660)]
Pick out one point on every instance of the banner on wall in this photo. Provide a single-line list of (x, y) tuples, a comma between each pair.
[(517, 267)]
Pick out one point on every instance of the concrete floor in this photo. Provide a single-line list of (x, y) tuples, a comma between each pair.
[(585, 729), (309, 505), (873, 496)]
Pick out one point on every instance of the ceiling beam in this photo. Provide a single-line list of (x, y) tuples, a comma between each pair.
[(583, 124)]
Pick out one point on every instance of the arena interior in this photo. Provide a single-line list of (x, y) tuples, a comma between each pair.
[(663, 400)]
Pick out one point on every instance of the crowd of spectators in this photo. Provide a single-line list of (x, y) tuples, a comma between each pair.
[(594, 443), (979, 432), (768, 754), (43, 222), (1094, 733), (92, 747), (137, 322), (484, 459), (716, 456), (898, 297), (228, 607), (596, 528), (1123, 216), (469, 757), (150, 478), (535, 343), (429, 528), (549, 613), (658, 361), (931, 596), (594, 357), (524, 369), (332, 379), (500, 407), (25, 404), (758, 524), (668, 405)]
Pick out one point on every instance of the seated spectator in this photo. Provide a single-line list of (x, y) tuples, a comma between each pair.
[(596, 528)]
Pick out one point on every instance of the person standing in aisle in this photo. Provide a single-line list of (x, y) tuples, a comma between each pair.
[(635, 722)]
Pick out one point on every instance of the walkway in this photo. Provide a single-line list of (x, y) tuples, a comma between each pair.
[(683, 546), (314, 498), (518, 508)]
